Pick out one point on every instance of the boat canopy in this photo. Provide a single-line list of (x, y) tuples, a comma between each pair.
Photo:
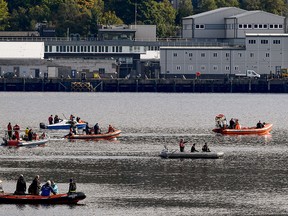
[(220, 120)]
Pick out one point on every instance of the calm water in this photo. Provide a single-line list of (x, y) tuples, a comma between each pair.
[(126, 177)]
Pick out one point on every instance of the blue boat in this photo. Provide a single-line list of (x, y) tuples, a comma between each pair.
[(63, 125)]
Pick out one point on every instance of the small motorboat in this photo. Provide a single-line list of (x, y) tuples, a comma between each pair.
[(223, 128), (64, 124), (67, 198), (102, 136), (165, 153), (42, 140)]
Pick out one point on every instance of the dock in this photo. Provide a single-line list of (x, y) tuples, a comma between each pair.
[(146, 85)]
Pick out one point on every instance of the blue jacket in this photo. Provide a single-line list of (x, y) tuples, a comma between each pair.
[(46, 190)]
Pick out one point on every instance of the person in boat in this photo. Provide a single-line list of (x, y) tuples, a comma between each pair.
[(50, 119), (73, 128), (46, 189), (87, 129), (72, 186), (237, 125), (30, 134), (54, 187), (16, 129), (231, 123), (20, 186), (9, 129), (259, 125), (72, 117), (97, 129), (182, 145), (35, 136), (78, 119), (43, 136), (193, 148), (110, 129), (56, 119), (26, 133), (35, 186), (205, 148)]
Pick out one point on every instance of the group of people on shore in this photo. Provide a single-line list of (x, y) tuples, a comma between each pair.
[(193, 148), (35, 188)]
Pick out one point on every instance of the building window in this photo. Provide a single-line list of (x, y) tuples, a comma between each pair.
[(251, 55), (267, 55), (215, 55), (240, 26), (227, 55), (236, 68), (202, 54), (255, 26), (202, 67), (280, 26), (178, 67), (252, 41), (249, 26), (175, 54), (264, 41), (190, 67), (227, 68), (276, 41), (190, 54), (215, 67), (239, 54), (198, 26)]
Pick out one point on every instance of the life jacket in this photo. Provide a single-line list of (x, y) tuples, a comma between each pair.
[(181, 144), (72, 187), (9, 127)]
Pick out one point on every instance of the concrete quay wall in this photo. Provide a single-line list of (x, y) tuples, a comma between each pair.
[(146, 85)]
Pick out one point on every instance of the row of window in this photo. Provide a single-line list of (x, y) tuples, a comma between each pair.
[(239, 26), (203, 67), (227, 55), (253, 41), (260, 26), (95, 49)]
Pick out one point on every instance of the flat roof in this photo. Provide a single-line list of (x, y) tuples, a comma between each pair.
[(266, 35)]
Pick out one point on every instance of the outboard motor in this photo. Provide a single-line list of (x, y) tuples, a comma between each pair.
[(42, 125)]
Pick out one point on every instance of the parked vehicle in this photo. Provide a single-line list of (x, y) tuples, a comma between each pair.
[(249, 74)]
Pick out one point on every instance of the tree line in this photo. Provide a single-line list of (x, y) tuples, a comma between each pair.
[(83, 16)]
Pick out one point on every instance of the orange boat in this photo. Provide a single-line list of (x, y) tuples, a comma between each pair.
[(223, 128), (102, 136)]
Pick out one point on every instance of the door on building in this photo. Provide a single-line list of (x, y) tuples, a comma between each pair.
[(37, 73)]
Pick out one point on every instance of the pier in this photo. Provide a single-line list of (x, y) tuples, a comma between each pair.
[(146, 85)]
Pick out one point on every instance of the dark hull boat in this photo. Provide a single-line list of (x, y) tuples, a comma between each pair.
[(68, 198)]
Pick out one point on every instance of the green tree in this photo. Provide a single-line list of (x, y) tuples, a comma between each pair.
[(109, 18), (161, 14), (252, 4), (4, 14), (227, 3), (207, 5), (278, 7), (185, 8)]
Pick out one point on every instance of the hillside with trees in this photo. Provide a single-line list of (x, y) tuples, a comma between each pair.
[(83, 16)]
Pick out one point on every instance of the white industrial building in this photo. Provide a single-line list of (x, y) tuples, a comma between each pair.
[(264, 53), (259, 43), (231, 22)]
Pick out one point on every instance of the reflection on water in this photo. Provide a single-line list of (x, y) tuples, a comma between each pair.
[(126, 177)]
